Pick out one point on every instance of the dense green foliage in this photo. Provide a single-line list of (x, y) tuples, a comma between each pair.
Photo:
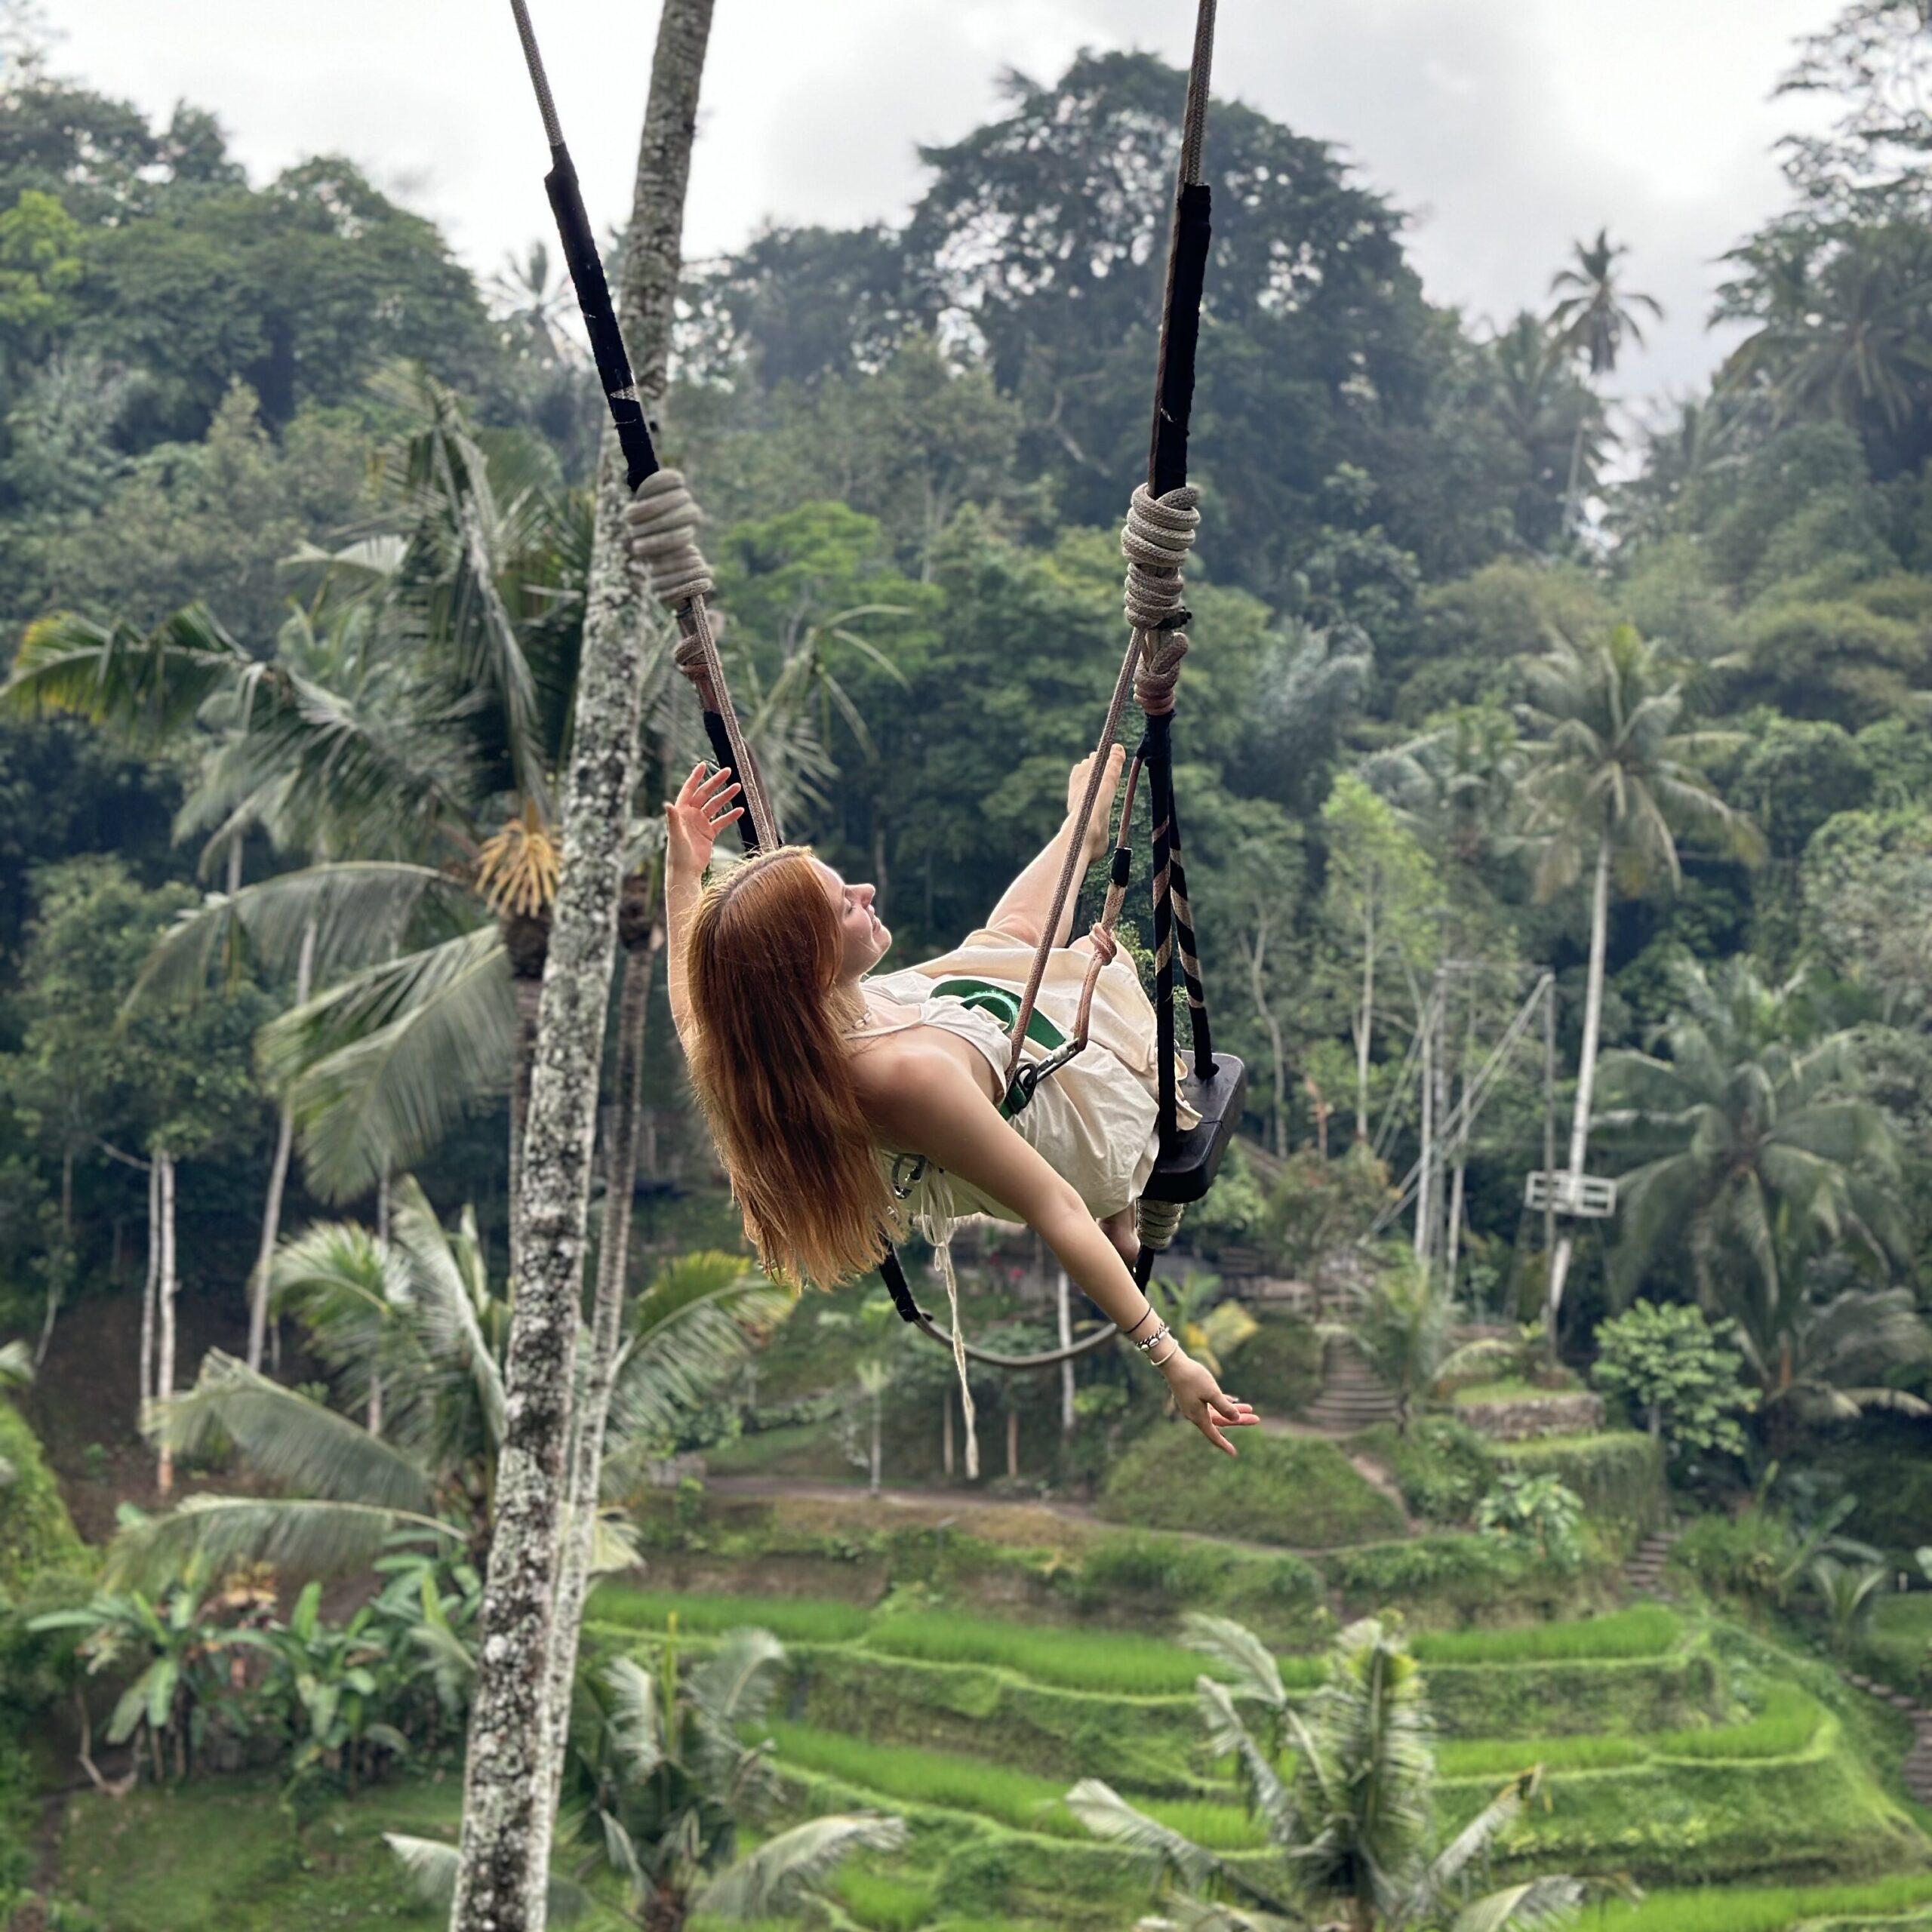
[(1287, 1489)]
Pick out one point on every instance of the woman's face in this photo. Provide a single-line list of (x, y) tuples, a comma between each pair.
[(862, 935)]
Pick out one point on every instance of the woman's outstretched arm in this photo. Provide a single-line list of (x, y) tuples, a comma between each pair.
[(692, 822), (924, 1102), (1023, 907)]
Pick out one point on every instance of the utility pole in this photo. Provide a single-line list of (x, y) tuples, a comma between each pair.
[(1549, 1115), (1426, 1175)]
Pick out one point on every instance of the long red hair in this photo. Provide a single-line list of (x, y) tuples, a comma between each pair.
[(772, 1070)]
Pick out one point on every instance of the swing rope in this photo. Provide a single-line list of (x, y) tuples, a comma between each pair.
[(1162, 521)]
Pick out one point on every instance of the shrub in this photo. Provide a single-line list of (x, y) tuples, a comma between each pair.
[(1538, 1509), (1295, 1490), (1680, 1380), (1163, 1573), (1619, 1474), (1750, 1561), (1440, 1466), (1280, 1366), (36, 1532)]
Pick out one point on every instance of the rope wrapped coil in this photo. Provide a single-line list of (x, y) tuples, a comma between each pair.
[(663, 520), (662, 517), (1159, 533)]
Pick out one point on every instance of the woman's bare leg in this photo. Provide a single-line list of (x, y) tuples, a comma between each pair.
[(1119, 1230)]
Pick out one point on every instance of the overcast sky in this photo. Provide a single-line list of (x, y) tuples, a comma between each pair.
[(1507, 128)]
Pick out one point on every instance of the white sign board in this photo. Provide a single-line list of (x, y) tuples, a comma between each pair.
[(1587, 1195)]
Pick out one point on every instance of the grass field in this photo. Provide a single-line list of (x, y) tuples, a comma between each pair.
[(1775, 1908), (791, 1620), (222, 1856), (910, 1775), (1119, 1663), (1644, 1630), (1787, 1724)]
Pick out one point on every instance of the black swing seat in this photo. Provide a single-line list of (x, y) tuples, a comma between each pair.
[(1186, 1169)]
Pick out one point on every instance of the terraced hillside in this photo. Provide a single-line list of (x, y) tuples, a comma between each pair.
[(1678, 1753)]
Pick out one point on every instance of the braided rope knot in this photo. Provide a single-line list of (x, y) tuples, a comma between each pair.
[(1105, 947), (662, 519), (1159, 534)]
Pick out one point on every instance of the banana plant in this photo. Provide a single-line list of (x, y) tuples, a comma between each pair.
[(171, 1642)]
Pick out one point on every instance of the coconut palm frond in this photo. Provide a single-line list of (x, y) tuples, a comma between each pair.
[(288, 1437), (1108, 1815), (1226, 1736), (1238, 1650), (360, 913), (301, 1537), (1481, 1832), (616, 1544), (636, 1720), (444, 1299), (372, 763), (144, 686), (734, 1686), (344, 1286), (431, 1868), (700, 1317), (1541, 1905), (784, 1871), (378, 1068)]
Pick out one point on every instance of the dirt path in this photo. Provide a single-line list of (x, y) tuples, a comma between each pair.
[(1371, 1472)]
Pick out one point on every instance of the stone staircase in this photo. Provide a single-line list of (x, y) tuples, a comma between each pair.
[(1918, 1767), (1352, 1399), (1643, 1575)]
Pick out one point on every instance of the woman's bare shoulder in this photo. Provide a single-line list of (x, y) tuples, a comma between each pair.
[(901, 1079)]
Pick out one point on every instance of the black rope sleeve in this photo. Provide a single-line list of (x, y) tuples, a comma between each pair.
[(893, 1273), (600, 315), (1160, 806), (1180, 335), (721, 756)]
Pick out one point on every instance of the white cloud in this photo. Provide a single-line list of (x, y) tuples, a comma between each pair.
[(1510, 127)]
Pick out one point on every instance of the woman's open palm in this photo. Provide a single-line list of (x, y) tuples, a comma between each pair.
[(693, 818)]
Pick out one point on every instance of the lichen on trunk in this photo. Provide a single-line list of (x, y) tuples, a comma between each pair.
[(504, 1857)]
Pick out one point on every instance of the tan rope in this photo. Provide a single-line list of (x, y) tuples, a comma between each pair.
[(663, 518), (1159, 533)]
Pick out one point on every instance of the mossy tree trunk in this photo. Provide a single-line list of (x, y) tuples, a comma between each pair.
[(504, 1858)]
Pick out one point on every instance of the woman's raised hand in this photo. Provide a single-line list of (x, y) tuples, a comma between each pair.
[(1097, 826), (694, 818), (1197, 1396)]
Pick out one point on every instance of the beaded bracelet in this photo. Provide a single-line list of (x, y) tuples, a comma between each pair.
[(1161, 1329)]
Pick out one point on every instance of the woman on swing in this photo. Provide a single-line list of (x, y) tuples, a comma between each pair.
[(843, 1107)]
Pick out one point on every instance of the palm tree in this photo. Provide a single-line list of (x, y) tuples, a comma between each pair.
[(665, 1768), (1611, 778), (1350, 1820), (1553, 418), (1840, 324), (1594, 314), (1403, 1324), (1770, 1160), (1591, 318), (419, 1314)]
